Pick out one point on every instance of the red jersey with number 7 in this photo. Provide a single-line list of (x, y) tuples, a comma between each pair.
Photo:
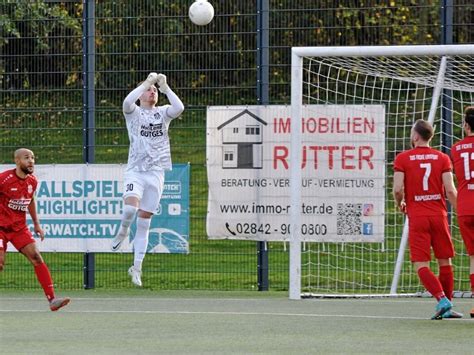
[(15, 197), (462, 154), (424, 190)]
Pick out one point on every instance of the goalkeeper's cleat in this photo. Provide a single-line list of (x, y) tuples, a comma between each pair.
[(117, 241), (136, 275), (444, 305), (57, 303), (452, 314)]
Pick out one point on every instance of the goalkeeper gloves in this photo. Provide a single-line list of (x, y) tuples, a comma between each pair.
[(162, 85), (152, 78)]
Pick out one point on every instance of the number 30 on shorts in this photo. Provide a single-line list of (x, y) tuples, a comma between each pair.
[(128, 187)]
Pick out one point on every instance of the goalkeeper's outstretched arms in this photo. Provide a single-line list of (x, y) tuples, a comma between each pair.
[(129, 102), (177, 106)]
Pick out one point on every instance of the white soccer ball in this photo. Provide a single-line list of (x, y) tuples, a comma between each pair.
[(201, 12)]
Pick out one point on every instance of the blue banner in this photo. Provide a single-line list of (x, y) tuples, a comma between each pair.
[(80, 208)]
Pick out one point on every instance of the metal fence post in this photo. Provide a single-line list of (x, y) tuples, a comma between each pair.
[(447, 102), (88, 110), (263, 63)]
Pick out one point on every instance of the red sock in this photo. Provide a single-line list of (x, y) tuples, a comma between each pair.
[(471, 277), (446, 278), (431, 282), (44, 278)]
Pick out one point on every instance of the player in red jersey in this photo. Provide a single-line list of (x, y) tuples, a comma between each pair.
[(17, 188), (462, 154), (422, 179)]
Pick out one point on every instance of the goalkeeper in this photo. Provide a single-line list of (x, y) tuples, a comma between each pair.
[(148, 158)]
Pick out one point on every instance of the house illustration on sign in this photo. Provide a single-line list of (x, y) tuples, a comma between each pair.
[(242, 138)]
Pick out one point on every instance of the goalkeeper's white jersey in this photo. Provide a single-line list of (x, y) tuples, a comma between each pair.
[(149, 141)]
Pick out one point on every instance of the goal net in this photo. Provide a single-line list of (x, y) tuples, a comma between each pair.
[(435, 83)]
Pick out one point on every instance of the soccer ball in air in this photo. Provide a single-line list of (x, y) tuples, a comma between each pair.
[(201, 12)]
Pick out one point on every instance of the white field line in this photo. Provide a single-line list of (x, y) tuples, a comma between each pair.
[(302, 315), (266, 300)]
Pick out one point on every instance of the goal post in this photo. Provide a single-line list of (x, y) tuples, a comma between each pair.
[(409, 82), (295, 175)]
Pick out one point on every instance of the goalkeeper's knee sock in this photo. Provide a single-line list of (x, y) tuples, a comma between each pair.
[(431, 282), (140, 242), (446, 278), (127, 218), (44, 278)]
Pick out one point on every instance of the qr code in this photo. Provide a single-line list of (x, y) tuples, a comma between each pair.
[(349, 220)]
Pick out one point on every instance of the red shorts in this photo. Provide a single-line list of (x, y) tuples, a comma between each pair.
[(426, 232), (19, 239), (466, 225)]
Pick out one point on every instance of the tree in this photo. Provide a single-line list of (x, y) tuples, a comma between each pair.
[(33, 43)]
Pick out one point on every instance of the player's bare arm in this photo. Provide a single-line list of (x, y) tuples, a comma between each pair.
[(398, 190), (451, 192), (34, 216)]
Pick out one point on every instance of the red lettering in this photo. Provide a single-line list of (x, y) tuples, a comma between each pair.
[(331, 149), (366, 153), (315, 149), (303, 159), (310, 125), (351, 157), (369, 126), (356, 125), (338, 126), (280, 153), (347, 158), (323, 125), (281, 125)]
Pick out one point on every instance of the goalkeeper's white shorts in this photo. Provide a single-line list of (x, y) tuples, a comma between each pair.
[(147, 186)]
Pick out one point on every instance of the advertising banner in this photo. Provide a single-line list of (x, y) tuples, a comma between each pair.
[(80, 207), (343, 172)]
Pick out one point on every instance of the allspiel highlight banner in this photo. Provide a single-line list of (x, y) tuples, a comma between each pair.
[(80, 208), (343, 173)]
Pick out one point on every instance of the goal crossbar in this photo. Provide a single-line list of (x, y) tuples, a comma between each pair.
[(369, 51)]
